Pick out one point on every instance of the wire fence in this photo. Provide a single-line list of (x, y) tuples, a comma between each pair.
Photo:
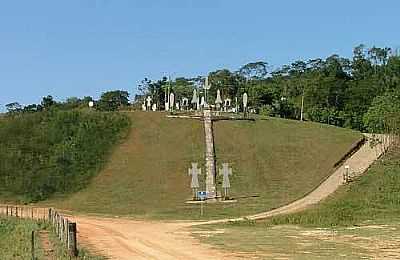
[(64, 228)]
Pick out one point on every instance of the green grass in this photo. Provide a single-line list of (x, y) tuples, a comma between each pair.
[(146, 176), (62, 254), (376, 196), (15, 238), (15, 241), (50, 152), (369, 241), (362, 217)]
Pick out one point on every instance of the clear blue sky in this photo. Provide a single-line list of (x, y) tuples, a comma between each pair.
[(79, 47)]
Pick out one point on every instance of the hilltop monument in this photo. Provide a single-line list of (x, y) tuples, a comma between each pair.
[(218, 100)]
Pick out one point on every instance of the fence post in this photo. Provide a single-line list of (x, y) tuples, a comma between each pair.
[(16, 211), (72, 239), (67, 233), (7, 210), (49, 217), (61, 225), (33, 244)]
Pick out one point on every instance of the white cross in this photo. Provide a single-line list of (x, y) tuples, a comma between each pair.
[(225, 171), (194, 184), (195, 172)]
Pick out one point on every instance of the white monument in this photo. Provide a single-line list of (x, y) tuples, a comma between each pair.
[(195, 99), (148, 103), (185, 103), (218, 100), (245, 97), (194, 184), (171, 101), (227, 104), (154, 107), (225, 171), (144, 106), (206, 87), (203, 102)]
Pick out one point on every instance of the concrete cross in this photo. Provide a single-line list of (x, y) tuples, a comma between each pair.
[(225, 171), (210, 159), (194, 184)]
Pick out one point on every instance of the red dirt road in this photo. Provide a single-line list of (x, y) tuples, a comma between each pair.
[(131, 239)]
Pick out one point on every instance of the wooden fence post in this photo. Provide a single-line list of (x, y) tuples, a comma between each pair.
[(67, 233), (72, 247), (16, 211), (33, 245), (49, 217), (7, 210)]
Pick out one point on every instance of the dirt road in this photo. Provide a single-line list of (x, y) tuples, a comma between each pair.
[(129, 239), (359, 162)]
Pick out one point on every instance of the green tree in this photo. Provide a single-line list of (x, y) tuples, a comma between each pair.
[(113, 100)]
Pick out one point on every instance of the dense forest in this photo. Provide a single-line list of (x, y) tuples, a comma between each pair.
[(336, 90), (54, 150)]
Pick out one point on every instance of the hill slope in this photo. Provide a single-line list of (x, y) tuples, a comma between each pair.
[(278, 160)]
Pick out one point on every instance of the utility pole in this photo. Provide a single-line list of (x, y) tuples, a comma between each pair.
[(302, 106)]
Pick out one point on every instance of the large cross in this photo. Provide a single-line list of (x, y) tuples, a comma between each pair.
[(208, 118)]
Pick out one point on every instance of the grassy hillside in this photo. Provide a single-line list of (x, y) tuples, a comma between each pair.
[(359, 220), (54, 151), (375, 196), (278, 160)]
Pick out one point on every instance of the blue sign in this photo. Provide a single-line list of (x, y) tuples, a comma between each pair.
[(202, 195)]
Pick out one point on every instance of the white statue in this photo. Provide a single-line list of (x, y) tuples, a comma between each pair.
[(202, 103), (144, 106), (154, 107), (171, 101), (206, 87), (148, 102), (195, 99), (177, 106), (218, 100), (245, 100)]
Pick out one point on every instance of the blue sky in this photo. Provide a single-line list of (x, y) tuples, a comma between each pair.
[(79, 47)]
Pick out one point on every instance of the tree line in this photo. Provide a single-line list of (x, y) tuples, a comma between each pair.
[(336, 90), (345, 92)]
